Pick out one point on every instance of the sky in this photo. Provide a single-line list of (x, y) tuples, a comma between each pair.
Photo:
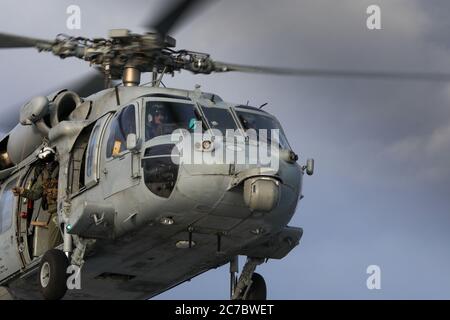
[(380, 193)]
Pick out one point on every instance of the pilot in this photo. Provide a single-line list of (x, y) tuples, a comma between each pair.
[(45, 187), (155, 122), (250, 126), (249, 122)]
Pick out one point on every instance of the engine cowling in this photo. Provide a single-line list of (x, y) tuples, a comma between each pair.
[(18, 145), (62, 106), (37, 118)]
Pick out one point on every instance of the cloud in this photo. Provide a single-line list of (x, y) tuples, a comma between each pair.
[(424, 158)]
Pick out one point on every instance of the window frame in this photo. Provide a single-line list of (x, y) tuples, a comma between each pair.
[(227, 109), (237, 109), (159, 99), (101, 125), (137, 108), (7, 188)]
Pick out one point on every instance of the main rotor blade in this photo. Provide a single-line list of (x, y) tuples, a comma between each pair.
[(173, 15), (13, 41), (228, 67)]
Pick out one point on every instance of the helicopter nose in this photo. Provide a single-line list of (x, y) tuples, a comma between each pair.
[(242, 185)]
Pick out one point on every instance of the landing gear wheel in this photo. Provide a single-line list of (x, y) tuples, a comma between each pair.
[(5, 294), (52, 274), (258, 289)]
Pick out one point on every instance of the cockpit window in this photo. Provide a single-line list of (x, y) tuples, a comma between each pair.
[(255, 121), (91, 160), (220, 119), (122, 125), (164, 117)]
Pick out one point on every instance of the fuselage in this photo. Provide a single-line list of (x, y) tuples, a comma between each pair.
[(155, 221)]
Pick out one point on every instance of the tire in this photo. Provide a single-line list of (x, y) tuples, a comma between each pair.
[(258, 289), (52, 274), (5, 294)]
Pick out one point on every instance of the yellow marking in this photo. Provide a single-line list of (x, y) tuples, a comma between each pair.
[(116, 149)]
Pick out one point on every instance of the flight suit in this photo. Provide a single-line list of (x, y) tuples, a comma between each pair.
[(45, 188), (153, 130)]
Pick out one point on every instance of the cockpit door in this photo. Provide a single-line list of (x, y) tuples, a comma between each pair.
[(93, 152), (9, 256), (117, 168)]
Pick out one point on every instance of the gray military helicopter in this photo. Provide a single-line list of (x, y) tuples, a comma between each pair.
[(133, 220)]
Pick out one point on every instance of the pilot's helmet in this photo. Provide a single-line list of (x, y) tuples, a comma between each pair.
[(250, 121), (46, 154), (158, 109)]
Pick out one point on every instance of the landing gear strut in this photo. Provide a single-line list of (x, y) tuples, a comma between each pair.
[(251, 285)]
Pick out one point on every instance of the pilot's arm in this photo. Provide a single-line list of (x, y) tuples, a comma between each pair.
[(34, 193)]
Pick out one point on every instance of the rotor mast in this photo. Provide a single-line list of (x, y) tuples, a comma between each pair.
[(131, 76)]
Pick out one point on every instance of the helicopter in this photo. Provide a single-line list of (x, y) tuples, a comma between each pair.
[(133, 221)]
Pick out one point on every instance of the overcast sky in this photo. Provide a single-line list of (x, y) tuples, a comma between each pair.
[(380, 195)]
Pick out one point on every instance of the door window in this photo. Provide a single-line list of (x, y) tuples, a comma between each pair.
[(122, 125), (6, 207)]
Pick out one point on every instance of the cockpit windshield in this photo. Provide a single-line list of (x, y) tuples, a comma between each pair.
[(260, 122), (164, 117), (220, 119)]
